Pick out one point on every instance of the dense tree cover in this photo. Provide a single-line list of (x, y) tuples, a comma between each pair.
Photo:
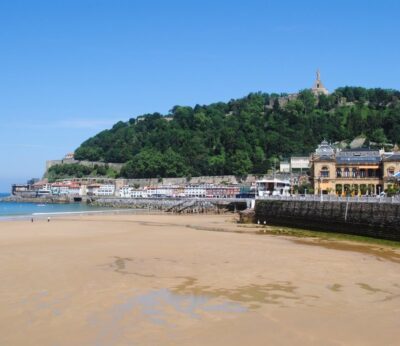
[(244, 135), (77, 170)]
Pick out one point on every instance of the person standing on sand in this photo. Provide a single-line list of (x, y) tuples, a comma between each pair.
[(31, 219), (48, 219)]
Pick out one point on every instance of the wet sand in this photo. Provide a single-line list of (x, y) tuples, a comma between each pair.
[(190, 280)]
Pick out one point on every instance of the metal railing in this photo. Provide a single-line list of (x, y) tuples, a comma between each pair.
[(331, 198)]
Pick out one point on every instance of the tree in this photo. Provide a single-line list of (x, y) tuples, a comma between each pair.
[(173, 165), (378, 136), (243, 135), (240, 163)]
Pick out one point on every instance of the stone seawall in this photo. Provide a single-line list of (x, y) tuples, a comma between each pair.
[(169, 204), (378, 220), (52, 199)]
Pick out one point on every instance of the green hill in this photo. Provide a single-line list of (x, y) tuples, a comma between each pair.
[(244, 135)]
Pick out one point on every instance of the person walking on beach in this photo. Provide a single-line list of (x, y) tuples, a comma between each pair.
[(48, 219), (31, 219)]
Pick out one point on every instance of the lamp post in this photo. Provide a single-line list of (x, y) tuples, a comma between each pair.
[(320, 187)]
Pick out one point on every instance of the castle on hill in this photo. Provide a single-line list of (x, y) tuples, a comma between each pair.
[(317, 89)]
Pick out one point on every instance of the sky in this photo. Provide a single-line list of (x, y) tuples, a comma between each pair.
[(69, 69)]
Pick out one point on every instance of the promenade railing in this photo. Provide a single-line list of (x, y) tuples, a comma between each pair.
[(331, 198)]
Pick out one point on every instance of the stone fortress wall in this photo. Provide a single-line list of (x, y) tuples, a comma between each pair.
[(50, 163)]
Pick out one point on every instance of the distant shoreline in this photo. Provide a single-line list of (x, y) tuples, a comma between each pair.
[(40, 216)]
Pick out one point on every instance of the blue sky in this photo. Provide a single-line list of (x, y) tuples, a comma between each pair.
[(69, 69)]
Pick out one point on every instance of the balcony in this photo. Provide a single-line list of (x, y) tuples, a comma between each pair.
[(358, 174), (358, 177)]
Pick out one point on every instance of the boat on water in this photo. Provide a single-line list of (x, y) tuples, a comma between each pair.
[(272, 187)]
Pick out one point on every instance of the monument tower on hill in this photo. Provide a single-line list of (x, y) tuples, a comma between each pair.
[(318, 87)]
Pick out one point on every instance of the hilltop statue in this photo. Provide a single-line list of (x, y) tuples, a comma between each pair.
[(318, 87)]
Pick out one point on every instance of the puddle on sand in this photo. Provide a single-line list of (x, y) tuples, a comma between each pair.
[(191, 305), (42, 303), (164, 308), (251, 295), (378, 252), (159, 307)]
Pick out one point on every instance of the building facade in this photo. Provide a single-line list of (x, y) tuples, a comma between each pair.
[(353, 172), (298, 164)]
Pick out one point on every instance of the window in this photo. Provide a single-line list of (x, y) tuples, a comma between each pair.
[(324, 172), (339, 173), (346, 172), (390, 171), (354, 173)]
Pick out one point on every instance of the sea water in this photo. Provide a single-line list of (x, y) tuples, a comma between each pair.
[(16, 210)]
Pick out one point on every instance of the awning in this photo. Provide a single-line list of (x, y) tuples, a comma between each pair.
[(369, 167)]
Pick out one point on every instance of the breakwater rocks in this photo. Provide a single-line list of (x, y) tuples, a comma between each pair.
[(44, 199), (378, 220), (169, 205)]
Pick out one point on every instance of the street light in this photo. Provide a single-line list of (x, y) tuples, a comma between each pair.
[(320, 186)]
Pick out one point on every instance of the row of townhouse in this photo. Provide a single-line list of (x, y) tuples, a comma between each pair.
[(70, 187), (193, 191), (89, 187)]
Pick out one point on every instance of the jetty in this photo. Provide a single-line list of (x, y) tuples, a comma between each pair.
[(177, 205)]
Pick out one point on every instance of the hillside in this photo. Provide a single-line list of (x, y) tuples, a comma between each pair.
[(244, 135)]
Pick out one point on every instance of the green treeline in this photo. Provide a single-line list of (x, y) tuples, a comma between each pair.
[(245, 135), (76, 170)]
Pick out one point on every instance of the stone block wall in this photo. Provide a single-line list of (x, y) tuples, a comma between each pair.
[(378, 220), (116, 166)]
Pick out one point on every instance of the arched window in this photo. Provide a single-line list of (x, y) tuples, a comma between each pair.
[(339, 173), (354, 172), (346, 172), (390, 171), (324, 172)]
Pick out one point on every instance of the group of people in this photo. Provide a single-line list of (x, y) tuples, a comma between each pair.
[(48, 219)]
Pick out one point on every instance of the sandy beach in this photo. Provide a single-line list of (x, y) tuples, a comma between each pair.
[(190, 280)]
